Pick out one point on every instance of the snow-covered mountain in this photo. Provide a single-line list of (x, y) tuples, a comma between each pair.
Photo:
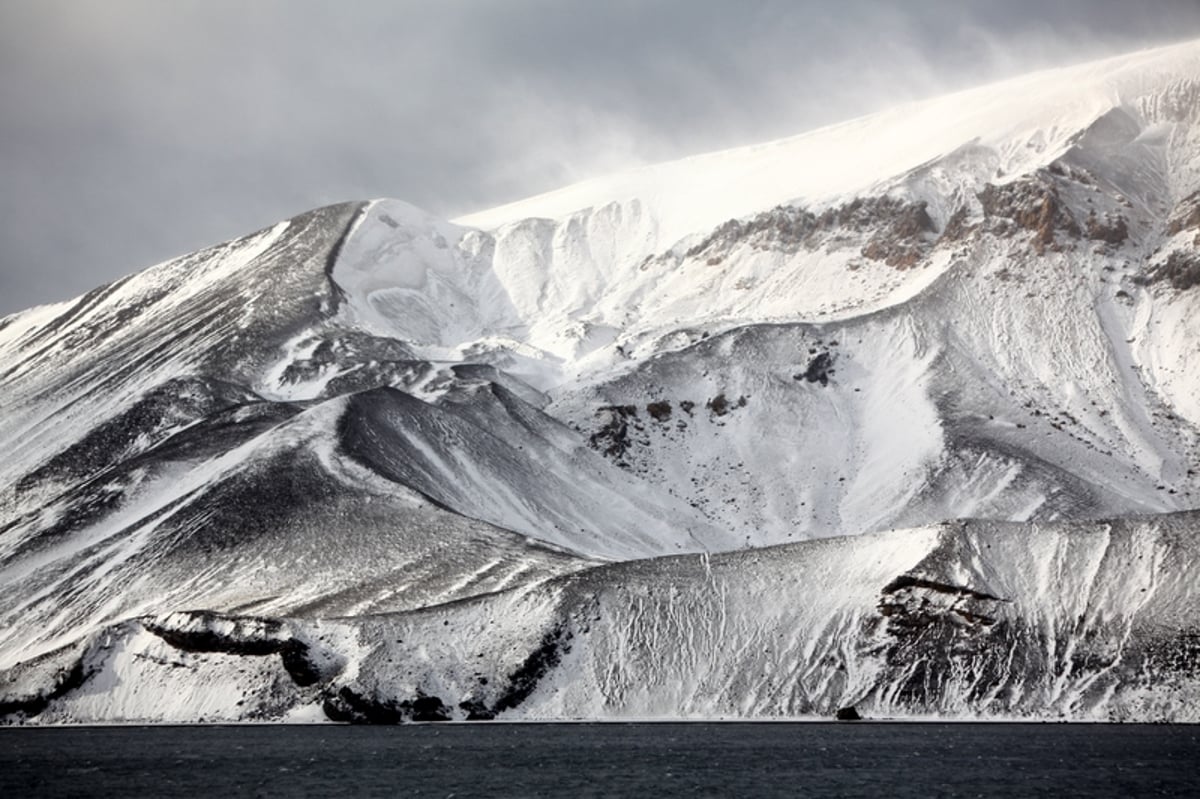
[(903, 413)]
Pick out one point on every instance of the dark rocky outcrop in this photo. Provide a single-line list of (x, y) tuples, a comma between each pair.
[(956, 228), (29, 706), (1177, 654), (476, 710), (899, 230), (353, 707), (525, 678), (784, 228), (427, 708), (347, 705), (659, 411), (902, 243), (1031, 204), (1181, 270), (206, 631), (363, 362), (1186, 215), (720, 405), (612, 437), (356, 706), (196, 631), (940, 633), (905, 581), (1108, 229), (819, 369)]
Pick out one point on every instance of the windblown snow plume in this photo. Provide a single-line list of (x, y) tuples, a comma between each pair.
[(901, 415)]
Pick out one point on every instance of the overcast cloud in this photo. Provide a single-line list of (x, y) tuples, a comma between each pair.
[(136, 130)]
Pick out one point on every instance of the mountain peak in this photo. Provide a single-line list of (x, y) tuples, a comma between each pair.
[(1023, 123)]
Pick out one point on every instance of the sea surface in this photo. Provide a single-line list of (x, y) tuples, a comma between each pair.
[(582, 760)]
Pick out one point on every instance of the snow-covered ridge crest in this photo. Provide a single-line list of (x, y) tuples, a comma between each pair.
[(559, 281), (1027, 121)]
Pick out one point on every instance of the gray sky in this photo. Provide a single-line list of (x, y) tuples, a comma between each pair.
[(136, 130)]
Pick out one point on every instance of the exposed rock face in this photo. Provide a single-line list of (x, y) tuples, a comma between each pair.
[(957, 227), (1109, 229), (899, 230), (659, 411), (720, 405), (612, 436), (1186, 216), (348, 706), (819, 370), (785, 228), (905, 241), (1181, 270), (19, 706), (1031, 204), (205, 631)]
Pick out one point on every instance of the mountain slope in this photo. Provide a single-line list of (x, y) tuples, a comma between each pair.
[(966, 620), (977, 307), (1004, 129)]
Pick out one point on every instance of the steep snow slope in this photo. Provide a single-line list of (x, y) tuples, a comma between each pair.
[(974, 399), (971, 620), (981, 306), (216, 314), (1012, 128), (558, 283), (292, 520), (198, 434)]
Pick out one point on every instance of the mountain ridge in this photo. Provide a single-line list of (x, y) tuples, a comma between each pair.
[(367, 417), (1117, 79)]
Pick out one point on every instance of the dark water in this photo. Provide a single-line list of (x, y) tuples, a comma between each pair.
[(580, 760)]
